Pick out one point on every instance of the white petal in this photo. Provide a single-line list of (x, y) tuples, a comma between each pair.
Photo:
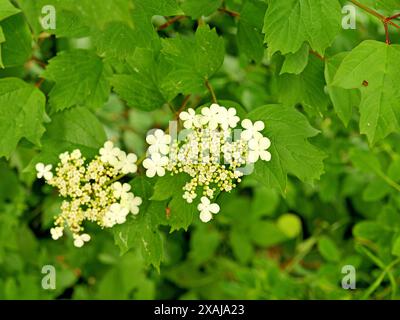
[(134, 210), (205, 201), (137, 201), (259, 125), (48, 175), (247, 124), (148, 163), (205, 216), (253, 156), (246, 135), (151, 172), (108, 145), (39, 166), (253, 144), (265, 155), (131, 157), (264, 143), (166, 139), (214, 208), (164, 149), (160, 171), (188, 124), (163, 161), (78, 242), (85, 237)]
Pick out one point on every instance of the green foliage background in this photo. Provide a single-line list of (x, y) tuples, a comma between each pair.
[(114, 69)]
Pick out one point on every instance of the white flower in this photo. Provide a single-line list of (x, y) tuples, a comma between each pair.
[(190, 118), (258, 149), (189, 197), (115, 214), (228, 118), (76, 154), (79, 240), (211, 116), (44, 171), (108, 154), (159, 142), (252, 130), (155, 165), (206, 209), (130, 202), (64, 157), (127, 163), (56, 232), (120, 189)]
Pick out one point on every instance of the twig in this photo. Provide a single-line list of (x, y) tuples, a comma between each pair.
[(210, 88), (229, 12), (39, 83), (183, 106), (170, 22), (385, 20), (317, 55), (374, 13)]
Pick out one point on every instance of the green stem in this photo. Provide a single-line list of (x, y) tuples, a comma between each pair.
[(379, 280), (210, 88)]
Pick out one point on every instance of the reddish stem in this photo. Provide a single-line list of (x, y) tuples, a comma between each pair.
[(230, 12), (170, 22), (317, 55)]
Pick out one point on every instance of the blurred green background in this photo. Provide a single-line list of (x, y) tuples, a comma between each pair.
[(262, 245)]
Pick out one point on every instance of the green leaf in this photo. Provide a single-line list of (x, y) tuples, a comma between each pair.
[(376, 190), (315, 21), (266, 234), (143, 232), (7, 9), (328, 249), (168, 186), (396, 247), (199, 8), (370, 230), (204, 242), (17, 48), (80, 79), (180, 213), (306, 88), (291, 151), (141, 88), (249, 33), (374, 68), (70, 20), (157, 7), (192, 60), (343, 100), (241, 245), (117, 40), (2, 40), (296, 62), (389, 5), (75, 128), (365, 161), (22, 110)]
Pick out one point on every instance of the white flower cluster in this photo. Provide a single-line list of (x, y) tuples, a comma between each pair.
[(213, 152), (91, 191)]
